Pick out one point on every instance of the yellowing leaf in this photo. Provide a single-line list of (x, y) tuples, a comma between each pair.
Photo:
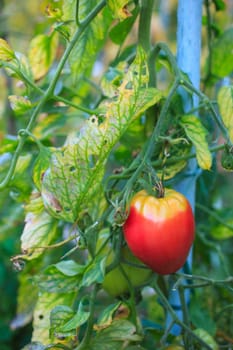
[(42, 52), (225, 101), (41, 318), (39, 230), (19, 104), (119, 8), (6, 53), (196, 133)]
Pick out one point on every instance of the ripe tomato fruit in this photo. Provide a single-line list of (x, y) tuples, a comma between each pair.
[(160, 231), (115, 283)]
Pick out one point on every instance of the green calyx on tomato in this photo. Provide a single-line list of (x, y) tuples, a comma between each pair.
[(116, 282), (160, 231)]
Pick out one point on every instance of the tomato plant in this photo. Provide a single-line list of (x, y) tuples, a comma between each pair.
[(160, 231)]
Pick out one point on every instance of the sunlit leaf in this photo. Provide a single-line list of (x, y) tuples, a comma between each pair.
[(6, 53), (20, 104), (196, 133), (73, 182), (225, 101), (222, 54), (41, 318), (42, 52)]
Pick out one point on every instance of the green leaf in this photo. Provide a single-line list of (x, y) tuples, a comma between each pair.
[(223, 230), (20, 104), (41, 318), (73, 182), (196, 133), (41, 164), (207, 338), (70, 268), (200, 317), (222, 54), (219, 5), (77, 320), (6, 53), (42, 52), (119, 8), (85, 51), (94, 272), (39, 230), (20, 183), (225, 101)]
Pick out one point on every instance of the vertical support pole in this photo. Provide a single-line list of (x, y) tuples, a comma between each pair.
[(189, 19)]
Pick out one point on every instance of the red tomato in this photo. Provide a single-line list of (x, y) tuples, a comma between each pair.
[(160, 231)]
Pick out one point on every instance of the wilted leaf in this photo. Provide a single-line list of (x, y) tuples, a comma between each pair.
[(107, 316), (41, 318), (39, 230), (6, 52), (196, 133), (42, 52), (225, 101), (20, 104), (222, 54), (113, 336)]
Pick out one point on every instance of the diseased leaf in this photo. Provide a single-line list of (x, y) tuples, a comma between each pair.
[(52, 280), (60, 315), (222, 54), (42, 52), (73, 182), (196, 133), (41, 318), (225, 101), (107, 316), (120, 8)]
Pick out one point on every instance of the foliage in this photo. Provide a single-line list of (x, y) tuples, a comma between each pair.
[(93, 114)]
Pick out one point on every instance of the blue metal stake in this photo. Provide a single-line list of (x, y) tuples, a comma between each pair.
[(188, 58)]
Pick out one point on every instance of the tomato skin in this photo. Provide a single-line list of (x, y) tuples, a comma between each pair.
[(160, 231)]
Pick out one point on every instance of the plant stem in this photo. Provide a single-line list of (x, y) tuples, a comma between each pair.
[(49, 92), (144, 37), (214, 215), (169, 308)]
